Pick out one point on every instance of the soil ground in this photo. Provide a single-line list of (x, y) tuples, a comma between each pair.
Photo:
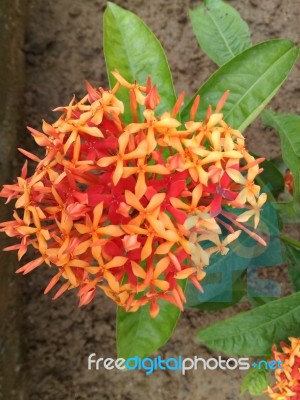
[(63, 48)]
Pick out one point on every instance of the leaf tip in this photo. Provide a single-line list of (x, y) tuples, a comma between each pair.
[(112, 6)]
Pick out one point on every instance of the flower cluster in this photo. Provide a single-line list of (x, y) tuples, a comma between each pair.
[(288, 376), (128, 207)]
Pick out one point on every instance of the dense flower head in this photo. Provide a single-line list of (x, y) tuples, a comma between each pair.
[(128, 207), (287, 377)]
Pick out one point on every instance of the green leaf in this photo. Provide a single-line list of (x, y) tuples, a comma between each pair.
[(253, 333), (289, 212), (288, 127), (253, 77), (278, 162), (255, 382), (293, 259), (272, 177), (260, 301), (132, 49), (220, 30), (290, 241), (140, 335)]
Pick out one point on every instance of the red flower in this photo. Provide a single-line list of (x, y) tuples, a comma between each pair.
[(287, 375), (124, 208)]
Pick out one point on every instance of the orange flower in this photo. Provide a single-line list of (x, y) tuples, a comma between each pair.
[(122, 157), (141, 170), (126, 208), (287, 376)]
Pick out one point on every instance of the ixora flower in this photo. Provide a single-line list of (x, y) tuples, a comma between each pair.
[(127, 208), (288, 375)]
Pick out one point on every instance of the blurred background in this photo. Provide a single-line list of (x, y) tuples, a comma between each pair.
[(47, 51)]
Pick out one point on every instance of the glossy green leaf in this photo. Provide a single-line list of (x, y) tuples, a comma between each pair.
[(132, 49), (220, 30), (272, 178), (288, 127), (293, 260), (253, 78), (140, 335), (255, 382), (253, 333)]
